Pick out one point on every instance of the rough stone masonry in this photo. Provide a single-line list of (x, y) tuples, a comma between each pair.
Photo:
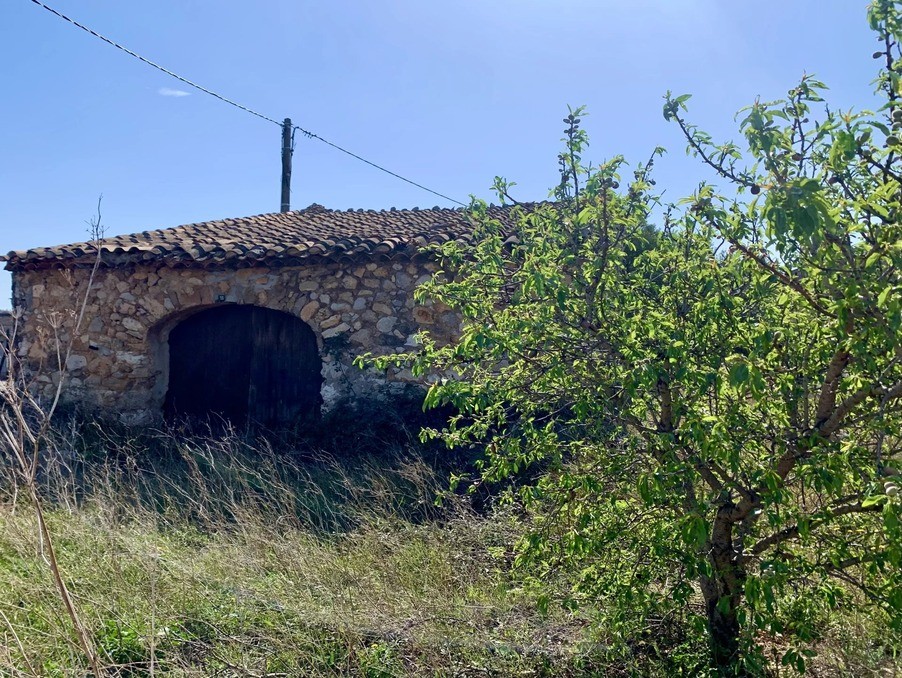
[(349, 275)]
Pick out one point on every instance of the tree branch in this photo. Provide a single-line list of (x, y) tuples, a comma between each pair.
[(793, 531), (827, 399), (771, 268)]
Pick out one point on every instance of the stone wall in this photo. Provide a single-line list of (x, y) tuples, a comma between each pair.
[(7, 324), (120, 361)]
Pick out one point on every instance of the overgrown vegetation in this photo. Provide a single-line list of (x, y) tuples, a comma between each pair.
[(712, 413), (693, 431), (220, 556)]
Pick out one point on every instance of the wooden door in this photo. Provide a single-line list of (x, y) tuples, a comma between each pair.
[(285, 367), (246, 364)]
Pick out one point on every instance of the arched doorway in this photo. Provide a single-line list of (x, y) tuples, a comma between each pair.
[(246, 364)]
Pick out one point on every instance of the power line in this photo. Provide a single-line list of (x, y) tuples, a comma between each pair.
[(155, 65), (178, 77), (311, 135)]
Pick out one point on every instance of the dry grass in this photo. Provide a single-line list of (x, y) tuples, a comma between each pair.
[(216, 557), (221, 557)]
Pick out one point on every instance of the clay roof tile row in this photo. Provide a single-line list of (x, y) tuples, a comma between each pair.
[(312, 233)]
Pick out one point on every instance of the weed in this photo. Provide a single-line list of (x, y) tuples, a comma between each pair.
[(224, 555)]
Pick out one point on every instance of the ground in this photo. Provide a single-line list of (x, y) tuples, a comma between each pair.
[(219, 556)]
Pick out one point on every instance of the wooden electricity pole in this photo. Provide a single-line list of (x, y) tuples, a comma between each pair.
[(286, 165)]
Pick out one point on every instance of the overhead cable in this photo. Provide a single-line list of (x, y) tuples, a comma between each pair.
[(155, 65), (203, 89), (311, 135)]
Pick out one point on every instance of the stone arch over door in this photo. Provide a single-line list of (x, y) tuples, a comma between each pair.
[(246, 364)]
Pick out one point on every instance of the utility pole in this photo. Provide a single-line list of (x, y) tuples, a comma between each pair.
[(286, 165)]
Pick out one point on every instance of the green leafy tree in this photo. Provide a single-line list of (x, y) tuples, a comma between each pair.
[(710, 412)]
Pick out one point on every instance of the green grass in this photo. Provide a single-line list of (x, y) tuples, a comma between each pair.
[(222, 557), (254, 595)]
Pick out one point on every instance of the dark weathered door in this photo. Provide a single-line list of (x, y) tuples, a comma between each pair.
[(245, 364)]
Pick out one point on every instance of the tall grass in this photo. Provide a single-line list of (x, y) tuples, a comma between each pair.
[(222, 556), (225, 555)]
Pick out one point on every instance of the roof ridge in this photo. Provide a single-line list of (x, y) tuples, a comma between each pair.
[(312, 232)]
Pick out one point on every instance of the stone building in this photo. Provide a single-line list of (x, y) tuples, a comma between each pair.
[(257, 318)]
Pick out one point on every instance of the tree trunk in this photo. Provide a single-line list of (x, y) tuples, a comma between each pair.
[(723, 633), (722, 592)]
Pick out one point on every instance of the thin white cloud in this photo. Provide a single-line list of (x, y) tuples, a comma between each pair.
[(167, 92)]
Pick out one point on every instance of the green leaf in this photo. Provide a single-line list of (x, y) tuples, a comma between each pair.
[(875, 500), (739, 374)]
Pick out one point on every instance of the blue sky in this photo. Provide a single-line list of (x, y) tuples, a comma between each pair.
[(447, 93)]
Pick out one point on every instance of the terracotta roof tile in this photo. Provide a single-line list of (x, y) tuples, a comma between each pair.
[(278, 239)]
